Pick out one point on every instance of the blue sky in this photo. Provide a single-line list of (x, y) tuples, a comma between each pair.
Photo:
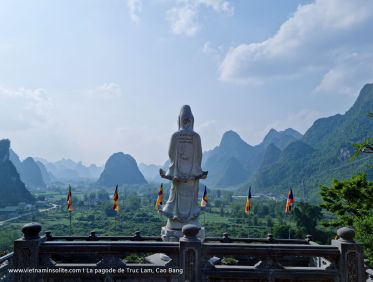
[(83, 79)]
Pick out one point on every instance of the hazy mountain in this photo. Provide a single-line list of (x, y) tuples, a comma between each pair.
[(234, 161), (31, 174), (28, 170), (13, 157), (324, 151), (69, 170), (48, 177), (121, 169), (271, 155), (150, 172), (281, 138), (231, 152), (12, 189)]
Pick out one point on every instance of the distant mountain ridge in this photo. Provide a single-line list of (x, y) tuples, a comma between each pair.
[(150, 172), (12, 189), (283, 159), (234, 161), (323, 153), (69, 170), (121, 169), (28, 170)]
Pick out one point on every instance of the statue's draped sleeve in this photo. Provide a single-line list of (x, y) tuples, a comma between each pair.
[(198, 157), (172, 156)]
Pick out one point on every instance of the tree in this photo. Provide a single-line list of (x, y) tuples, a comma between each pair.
[(365, 147), (108, 207), (352, 202), (102, 195), (349, 200), (306, 217), (269, 221), (364, 234), (282, 231), (92, 198), (217, 203)]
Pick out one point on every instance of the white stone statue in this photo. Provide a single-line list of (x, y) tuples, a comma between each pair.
[(185, 155)]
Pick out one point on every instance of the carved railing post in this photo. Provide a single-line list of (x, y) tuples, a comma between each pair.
[(351, 261), (190, 254), (26, 252)]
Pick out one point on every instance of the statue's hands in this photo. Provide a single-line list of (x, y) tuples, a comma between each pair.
[(177, 179), (203, 175), (162, 173)]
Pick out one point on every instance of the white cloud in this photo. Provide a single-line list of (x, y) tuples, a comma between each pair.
[(107, 90), (135, 9), (214, 52), (314, 39), (183, 20), (183, 17), (348, 76), (24, 108), (218, 6)]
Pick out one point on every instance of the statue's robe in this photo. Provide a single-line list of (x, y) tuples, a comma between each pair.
[(185, 154)]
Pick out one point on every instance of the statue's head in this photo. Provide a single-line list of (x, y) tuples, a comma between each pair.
[(186, 119)]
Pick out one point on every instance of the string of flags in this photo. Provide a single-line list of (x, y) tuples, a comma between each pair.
[(204, 200)]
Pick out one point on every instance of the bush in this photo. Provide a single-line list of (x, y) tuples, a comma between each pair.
[(229, 261), (364, 234)]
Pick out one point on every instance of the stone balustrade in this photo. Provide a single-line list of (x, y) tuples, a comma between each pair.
[(103, 258)]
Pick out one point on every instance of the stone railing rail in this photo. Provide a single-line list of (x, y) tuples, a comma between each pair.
[(268, 240), (106, 258), (5, 264), (138, 237), (93, 237)]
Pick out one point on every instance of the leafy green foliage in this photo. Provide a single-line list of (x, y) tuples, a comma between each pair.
[(349, 200), (365, 147), (134, 259), (229, 261), (306, 217), (364, 234)]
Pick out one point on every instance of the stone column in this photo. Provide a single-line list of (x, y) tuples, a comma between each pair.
[(351, 261), (26, 252), (190, 254)]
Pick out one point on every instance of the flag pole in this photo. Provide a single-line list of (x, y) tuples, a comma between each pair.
[(248, 228), (70, 222)]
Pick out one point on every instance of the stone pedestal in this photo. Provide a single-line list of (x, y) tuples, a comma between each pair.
[(351, 261), (173, 235), (26, 252)]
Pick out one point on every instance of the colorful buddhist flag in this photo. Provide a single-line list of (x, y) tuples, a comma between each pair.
[(115, 200), (205, 198), (159, 200), (289, 201), (69, 200), (248, 203)]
